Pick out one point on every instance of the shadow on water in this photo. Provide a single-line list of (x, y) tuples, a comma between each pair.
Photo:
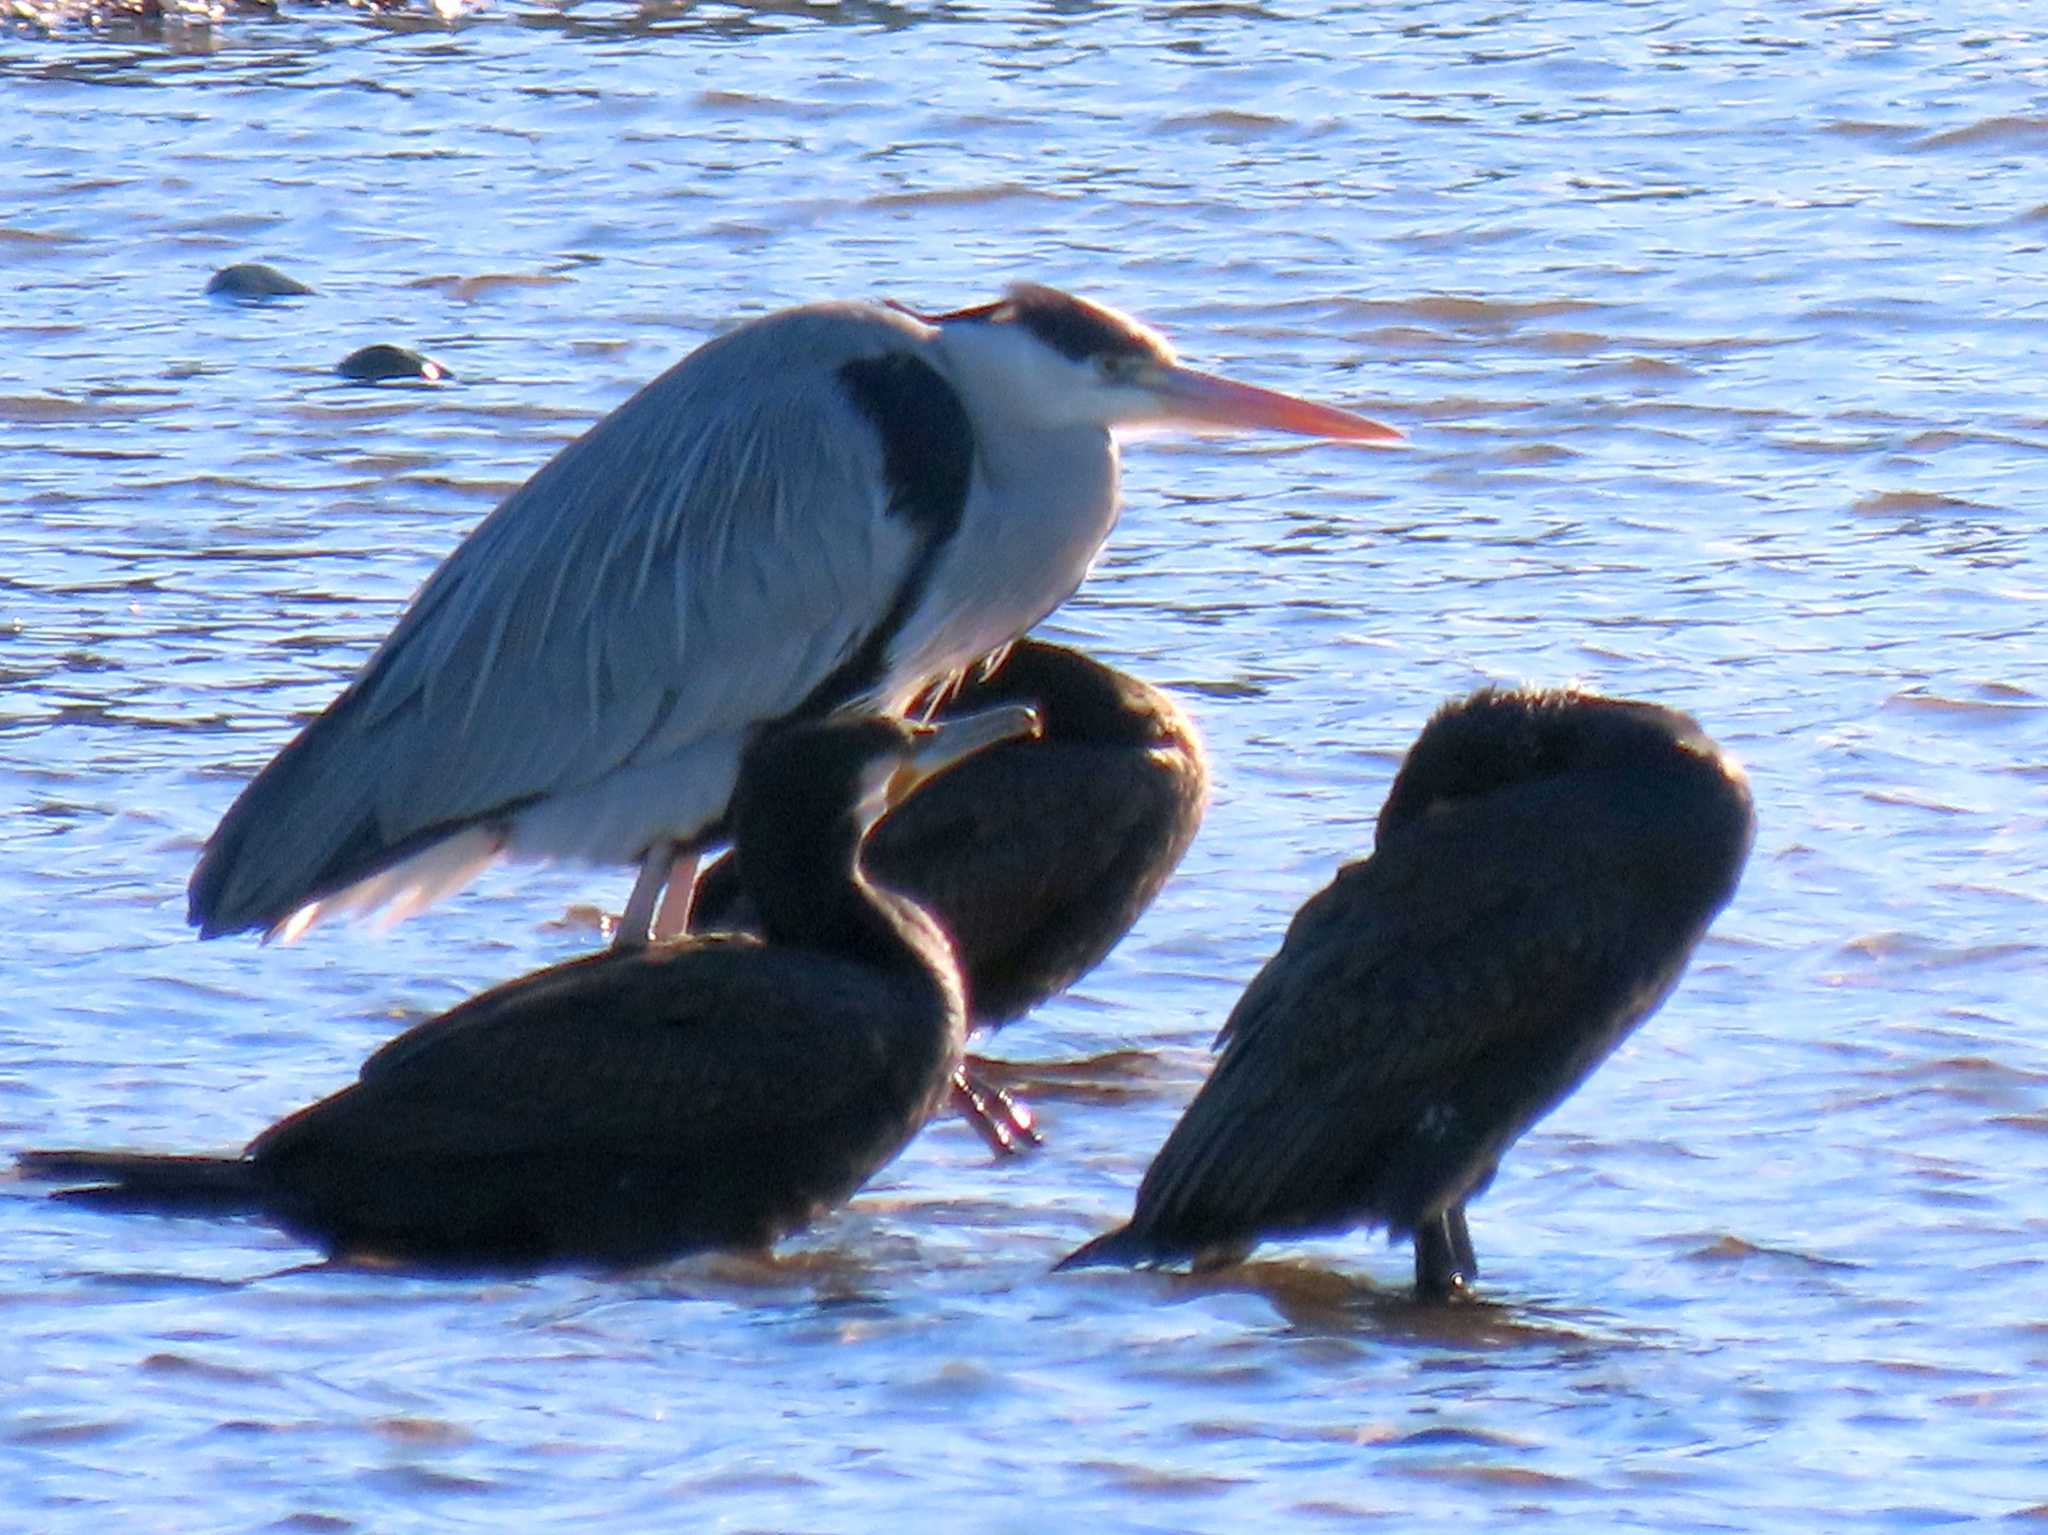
[(1311, 1299), (1114, 1076), (814, 1276), (825, 1277)]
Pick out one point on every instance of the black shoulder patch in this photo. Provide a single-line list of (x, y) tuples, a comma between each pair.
[(928, 458), (927, 439)]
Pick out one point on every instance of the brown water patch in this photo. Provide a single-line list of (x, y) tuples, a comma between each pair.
[(1521, 1477), (2002, 132), (1850, 129), (1115, 1076), (1441, 1435), (1538, 453), (1996, 700), (1317, 1299), (12, 234), (408, 1481), (826, 1272), (467, 289), (425, 1431), (748, 1479), (1326, 1508), (50, 1435), (29, 409), (960, 197), (1890, 502), (1235, 125), (1930, 954), (581, 917), (1641, 366), (1150, 1480), (773, 106), (1734, 1249), (1469, 313), (199, 1369)]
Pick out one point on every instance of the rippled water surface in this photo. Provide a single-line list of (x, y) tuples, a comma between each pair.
[(1719, 335)]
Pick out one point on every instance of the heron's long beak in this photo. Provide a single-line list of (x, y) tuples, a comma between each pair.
[(941, 745), (1202, 399)]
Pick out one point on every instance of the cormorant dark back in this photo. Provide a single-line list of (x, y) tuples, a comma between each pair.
[(1037, 855), (638, 1104), (1543, 867)]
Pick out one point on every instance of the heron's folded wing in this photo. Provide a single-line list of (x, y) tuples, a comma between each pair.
[(703, 558)]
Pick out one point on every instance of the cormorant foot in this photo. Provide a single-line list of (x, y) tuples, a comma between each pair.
[(1000, 1120), (1445, 1266)]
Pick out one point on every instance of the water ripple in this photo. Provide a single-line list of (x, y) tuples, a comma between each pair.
[(1717, 340)]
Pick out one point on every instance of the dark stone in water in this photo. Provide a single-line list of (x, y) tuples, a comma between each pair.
[(384, 362), (252, 282)]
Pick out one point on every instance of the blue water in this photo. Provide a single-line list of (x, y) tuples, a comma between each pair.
[(1719, 339)]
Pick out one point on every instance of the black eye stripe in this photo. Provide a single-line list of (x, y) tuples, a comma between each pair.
[(1076, 329), (1073, 327)]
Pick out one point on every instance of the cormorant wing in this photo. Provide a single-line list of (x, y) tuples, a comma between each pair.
[(621, 1052), (1461, 979), (1048, 828)]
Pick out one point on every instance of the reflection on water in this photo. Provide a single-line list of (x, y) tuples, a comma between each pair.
[(1718, 342)]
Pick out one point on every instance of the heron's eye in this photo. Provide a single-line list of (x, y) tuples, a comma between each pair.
[(1116, 368)]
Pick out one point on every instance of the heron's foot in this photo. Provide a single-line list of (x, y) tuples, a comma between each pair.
[(1000, 1120), (624, 937)]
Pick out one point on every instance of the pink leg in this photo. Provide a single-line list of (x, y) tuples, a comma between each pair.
[(631, 932), (999, 1119), (672, 919)]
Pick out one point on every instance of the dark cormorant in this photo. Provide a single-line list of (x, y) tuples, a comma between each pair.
[(636, 1104), (1543, 867), (1037, 855)]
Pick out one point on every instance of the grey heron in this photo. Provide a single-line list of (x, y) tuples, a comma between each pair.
[(1544, 865), (1036, 856), (826, 507), (636, 1104)]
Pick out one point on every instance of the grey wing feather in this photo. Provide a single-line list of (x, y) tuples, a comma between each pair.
[(697, 561), (690, 565)]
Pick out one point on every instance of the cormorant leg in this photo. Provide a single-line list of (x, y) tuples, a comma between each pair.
[(1002, 1122), (1461, 1242), (1439, 1270), (672, 917), (635, 921)]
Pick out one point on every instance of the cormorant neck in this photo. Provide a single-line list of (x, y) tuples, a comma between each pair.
[(808, 887)]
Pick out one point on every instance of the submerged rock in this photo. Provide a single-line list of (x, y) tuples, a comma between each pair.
[(253, 282), (383, 362)]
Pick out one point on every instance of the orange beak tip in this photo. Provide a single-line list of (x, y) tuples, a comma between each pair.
[(1385, 437)]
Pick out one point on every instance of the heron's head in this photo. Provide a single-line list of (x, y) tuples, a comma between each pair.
[(1049, 359)]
